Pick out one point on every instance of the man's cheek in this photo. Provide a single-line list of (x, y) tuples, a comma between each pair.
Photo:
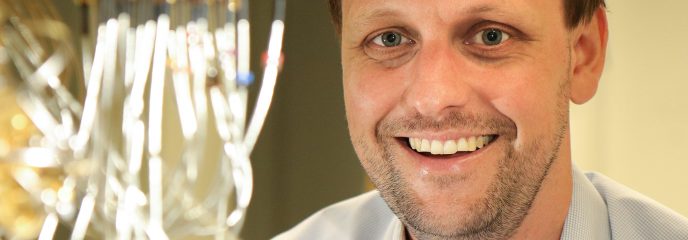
[(372, 95), (360, 110)]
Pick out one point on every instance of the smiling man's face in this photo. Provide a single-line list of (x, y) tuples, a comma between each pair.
[(458, 110)]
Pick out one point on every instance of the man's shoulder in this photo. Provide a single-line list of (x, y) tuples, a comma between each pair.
[(366, 216), (635, 216)]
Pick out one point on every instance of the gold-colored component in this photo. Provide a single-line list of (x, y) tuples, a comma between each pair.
[(19, 122), (233, 5), (19, 215), (21, 212), (16, 130), (21, 186)]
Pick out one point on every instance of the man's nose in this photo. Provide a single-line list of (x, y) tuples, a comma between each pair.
[(439, 81)]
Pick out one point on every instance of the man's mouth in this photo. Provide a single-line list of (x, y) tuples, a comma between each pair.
[(450, 147)]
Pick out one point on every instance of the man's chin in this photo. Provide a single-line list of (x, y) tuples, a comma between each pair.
[(444, 220), (445, 213), (463, 189)]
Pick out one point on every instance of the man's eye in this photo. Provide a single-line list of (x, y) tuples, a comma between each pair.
[(490, 37), (390, 39)]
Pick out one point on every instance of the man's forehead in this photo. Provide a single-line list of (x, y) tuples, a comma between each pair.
[(362, 11), (381, 12)]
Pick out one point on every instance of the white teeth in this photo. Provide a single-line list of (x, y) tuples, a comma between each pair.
[(462, 145), (424, 146), (436, 147), (471, 144), (450, 147)]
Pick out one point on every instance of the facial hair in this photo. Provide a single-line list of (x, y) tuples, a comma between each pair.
[(510, 194)]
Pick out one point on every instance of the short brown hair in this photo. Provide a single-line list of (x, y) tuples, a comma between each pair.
[(575, 11)]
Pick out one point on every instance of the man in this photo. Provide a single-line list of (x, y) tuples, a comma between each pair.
[(458, 111)]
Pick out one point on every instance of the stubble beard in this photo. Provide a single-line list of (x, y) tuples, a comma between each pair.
[(501, 209)]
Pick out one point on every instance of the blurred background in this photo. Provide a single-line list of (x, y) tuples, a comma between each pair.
[(635, 130)]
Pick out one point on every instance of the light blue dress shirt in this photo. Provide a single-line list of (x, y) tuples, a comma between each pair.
[(600, 209)]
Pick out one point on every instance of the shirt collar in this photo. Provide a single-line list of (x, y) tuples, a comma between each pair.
[(395, 231), (588, 217)]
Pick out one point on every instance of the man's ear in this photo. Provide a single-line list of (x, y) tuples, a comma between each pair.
[(589, 49)]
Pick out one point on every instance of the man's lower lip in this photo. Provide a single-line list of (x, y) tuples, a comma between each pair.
[(444, 156)]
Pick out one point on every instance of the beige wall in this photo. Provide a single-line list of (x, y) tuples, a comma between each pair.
[(636, 128)]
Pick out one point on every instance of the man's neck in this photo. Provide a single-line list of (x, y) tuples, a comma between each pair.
[(547, 215)]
